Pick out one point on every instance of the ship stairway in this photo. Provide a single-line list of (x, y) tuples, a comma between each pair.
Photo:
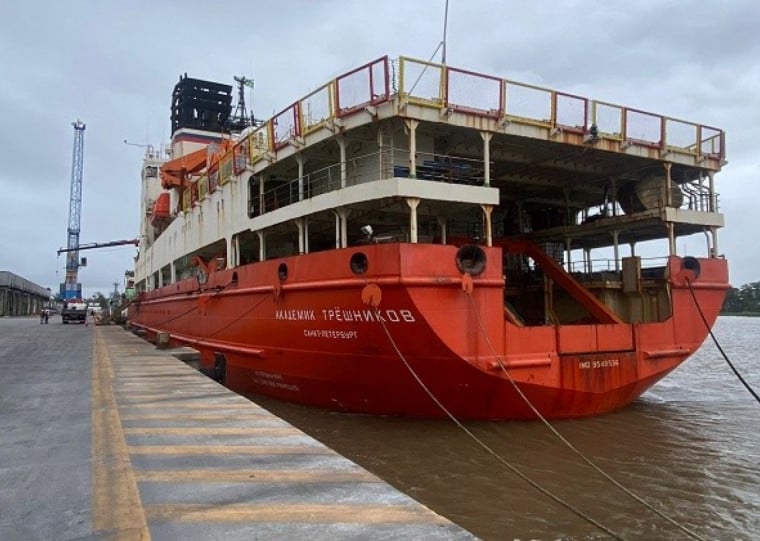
[(512, 316), (386, 154), (557, 273)]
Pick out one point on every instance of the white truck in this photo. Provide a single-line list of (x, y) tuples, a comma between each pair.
[(73, 311)]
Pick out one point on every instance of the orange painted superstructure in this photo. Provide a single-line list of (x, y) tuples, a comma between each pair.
[(403, 255)]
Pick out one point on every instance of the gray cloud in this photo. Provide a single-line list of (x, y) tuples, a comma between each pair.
[(114, 66)]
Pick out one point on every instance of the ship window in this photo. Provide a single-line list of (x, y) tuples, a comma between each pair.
[(471, 259), (151, 171), (254, 197), (234, 279), (282, 272), (359, 263)]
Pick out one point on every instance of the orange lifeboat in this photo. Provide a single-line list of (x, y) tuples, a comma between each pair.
[(161, 214)]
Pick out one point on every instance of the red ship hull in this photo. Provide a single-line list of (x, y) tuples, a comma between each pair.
[(435, 338)]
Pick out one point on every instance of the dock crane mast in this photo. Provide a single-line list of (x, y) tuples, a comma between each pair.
[(71, 288)]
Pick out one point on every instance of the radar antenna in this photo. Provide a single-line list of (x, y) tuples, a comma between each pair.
[(241, 118)]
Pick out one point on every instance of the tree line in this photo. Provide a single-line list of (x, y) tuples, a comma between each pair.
[(744, 299)]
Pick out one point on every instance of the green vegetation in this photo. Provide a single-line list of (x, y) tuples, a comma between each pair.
[(99, 299), (744, 301)]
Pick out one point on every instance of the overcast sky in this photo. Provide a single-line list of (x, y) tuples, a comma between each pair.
[(114, 65)]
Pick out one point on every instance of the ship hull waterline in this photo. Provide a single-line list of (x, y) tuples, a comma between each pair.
[(435, 337)]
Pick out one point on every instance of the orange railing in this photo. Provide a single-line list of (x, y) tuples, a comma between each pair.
[(366, 85), (452, 89)]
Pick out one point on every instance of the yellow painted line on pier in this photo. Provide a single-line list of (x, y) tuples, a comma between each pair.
[(258, 476), (198, 417), (214, 431), (155, 383), (157, 359), (130, 351), (116, 507), (330, 514), (138, 380), (150, 361), (166, 373), (194, 402), (198, 395), (152, 374), (167, 404), (227, 450)]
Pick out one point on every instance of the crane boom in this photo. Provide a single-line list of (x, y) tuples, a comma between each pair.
[(92, 245)]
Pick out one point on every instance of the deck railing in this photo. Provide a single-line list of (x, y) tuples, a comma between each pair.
[(451, 89), (326, 179), (522, 270), (607, 268), (367, 168)]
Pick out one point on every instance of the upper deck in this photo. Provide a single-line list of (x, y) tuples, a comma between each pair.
[(554, 166)]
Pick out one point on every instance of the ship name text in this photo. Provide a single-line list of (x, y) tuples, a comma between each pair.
[(296, 315), (394, 316), (343, 315)]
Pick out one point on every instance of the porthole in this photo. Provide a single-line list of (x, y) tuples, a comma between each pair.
[(282, 272), (471, 259), (359, 263)]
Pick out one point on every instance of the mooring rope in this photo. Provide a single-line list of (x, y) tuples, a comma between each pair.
[(235, 320), (567, 443), (485, 446), (192, 309), (717, 344), (425, 67)]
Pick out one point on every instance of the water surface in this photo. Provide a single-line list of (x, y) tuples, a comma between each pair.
[(690, 447)]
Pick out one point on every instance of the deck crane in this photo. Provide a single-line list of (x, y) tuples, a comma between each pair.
[(73, 307), (71, 288)]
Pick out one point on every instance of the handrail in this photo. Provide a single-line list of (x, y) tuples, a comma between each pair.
[(465, 91)]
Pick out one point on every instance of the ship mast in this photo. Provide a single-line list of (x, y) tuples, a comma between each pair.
[(445, 25)]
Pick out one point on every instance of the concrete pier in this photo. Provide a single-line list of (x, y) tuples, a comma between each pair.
[(106, 437)]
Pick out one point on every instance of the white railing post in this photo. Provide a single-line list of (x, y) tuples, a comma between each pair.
[(300, 160), (486, 157)]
